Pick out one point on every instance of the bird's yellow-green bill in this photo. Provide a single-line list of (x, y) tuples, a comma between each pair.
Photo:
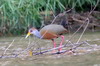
[(27, 34)]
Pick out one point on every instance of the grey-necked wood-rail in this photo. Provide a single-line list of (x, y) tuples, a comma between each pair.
[(49, 32)]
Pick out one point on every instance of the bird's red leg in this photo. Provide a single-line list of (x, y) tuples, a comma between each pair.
[(54, 45), (61, 43)]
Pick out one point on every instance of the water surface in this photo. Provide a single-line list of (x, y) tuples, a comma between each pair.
[(20, 43)]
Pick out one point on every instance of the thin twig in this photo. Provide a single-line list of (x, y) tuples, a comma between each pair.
[(8, 46), (84, 30), (87, 19)]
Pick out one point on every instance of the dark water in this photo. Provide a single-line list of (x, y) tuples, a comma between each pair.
[(19, 44)]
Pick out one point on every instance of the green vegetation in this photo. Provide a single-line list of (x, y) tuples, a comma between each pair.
[(17, 15)]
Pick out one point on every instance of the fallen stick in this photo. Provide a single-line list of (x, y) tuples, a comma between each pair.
[(74, 46), (13, 56), (66, 45)]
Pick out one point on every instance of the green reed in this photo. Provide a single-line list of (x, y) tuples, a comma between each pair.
[(17, 15)]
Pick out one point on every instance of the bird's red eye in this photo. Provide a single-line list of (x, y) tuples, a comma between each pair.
[(30, 30)]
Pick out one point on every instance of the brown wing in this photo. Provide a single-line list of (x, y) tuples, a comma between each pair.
[(48, 35), (52, 31)]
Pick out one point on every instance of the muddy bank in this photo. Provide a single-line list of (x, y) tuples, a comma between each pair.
[(73, 21)]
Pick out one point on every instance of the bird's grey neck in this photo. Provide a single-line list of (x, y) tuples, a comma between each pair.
[(37, 33)]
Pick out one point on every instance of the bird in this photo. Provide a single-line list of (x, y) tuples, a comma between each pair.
[(50, 32)]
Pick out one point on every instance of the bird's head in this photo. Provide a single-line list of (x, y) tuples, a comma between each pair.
[(30, 31)]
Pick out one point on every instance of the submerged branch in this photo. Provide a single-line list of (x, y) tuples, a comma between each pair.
[(66, 45)]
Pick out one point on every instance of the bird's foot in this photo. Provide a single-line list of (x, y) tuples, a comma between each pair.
[(58, 52), (70, 52), (60, 49)]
